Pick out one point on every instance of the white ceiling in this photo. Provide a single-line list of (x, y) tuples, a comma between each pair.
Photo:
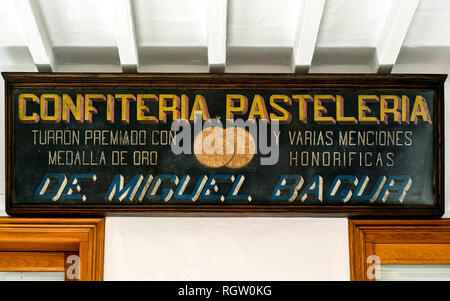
[(352, 23), (269, 23), (431, 24), (259, 35)]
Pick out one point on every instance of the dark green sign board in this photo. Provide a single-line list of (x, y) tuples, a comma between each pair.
[(91, 144)]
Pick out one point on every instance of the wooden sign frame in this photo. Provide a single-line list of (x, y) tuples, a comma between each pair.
[(80, 81)]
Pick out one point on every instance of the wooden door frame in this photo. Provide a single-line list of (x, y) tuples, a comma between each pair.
[(84, 236), (393, 235)]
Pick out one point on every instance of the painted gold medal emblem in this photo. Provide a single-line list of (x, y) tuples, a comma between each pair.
[(244, 147), (207, 152), (236, 147)]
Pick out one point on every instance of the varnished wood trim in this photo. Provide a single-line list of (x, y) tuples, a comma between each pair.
[(32, 261), (84, 236), (411, 253), (199, 78), (416, 240)]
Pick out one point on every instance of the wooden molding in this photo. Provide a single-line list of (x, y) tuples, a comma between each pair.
[(85, 236), (32, 261), (397, 242)]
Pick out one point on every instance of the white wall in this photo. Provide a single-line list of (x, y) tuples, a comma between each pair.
[(156, 248)]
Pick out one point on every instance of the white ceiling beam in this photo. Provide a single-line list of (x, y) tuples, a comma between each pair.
[(33, 24), (217, 35), (125, 35), (394, 33), (306, 35)]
